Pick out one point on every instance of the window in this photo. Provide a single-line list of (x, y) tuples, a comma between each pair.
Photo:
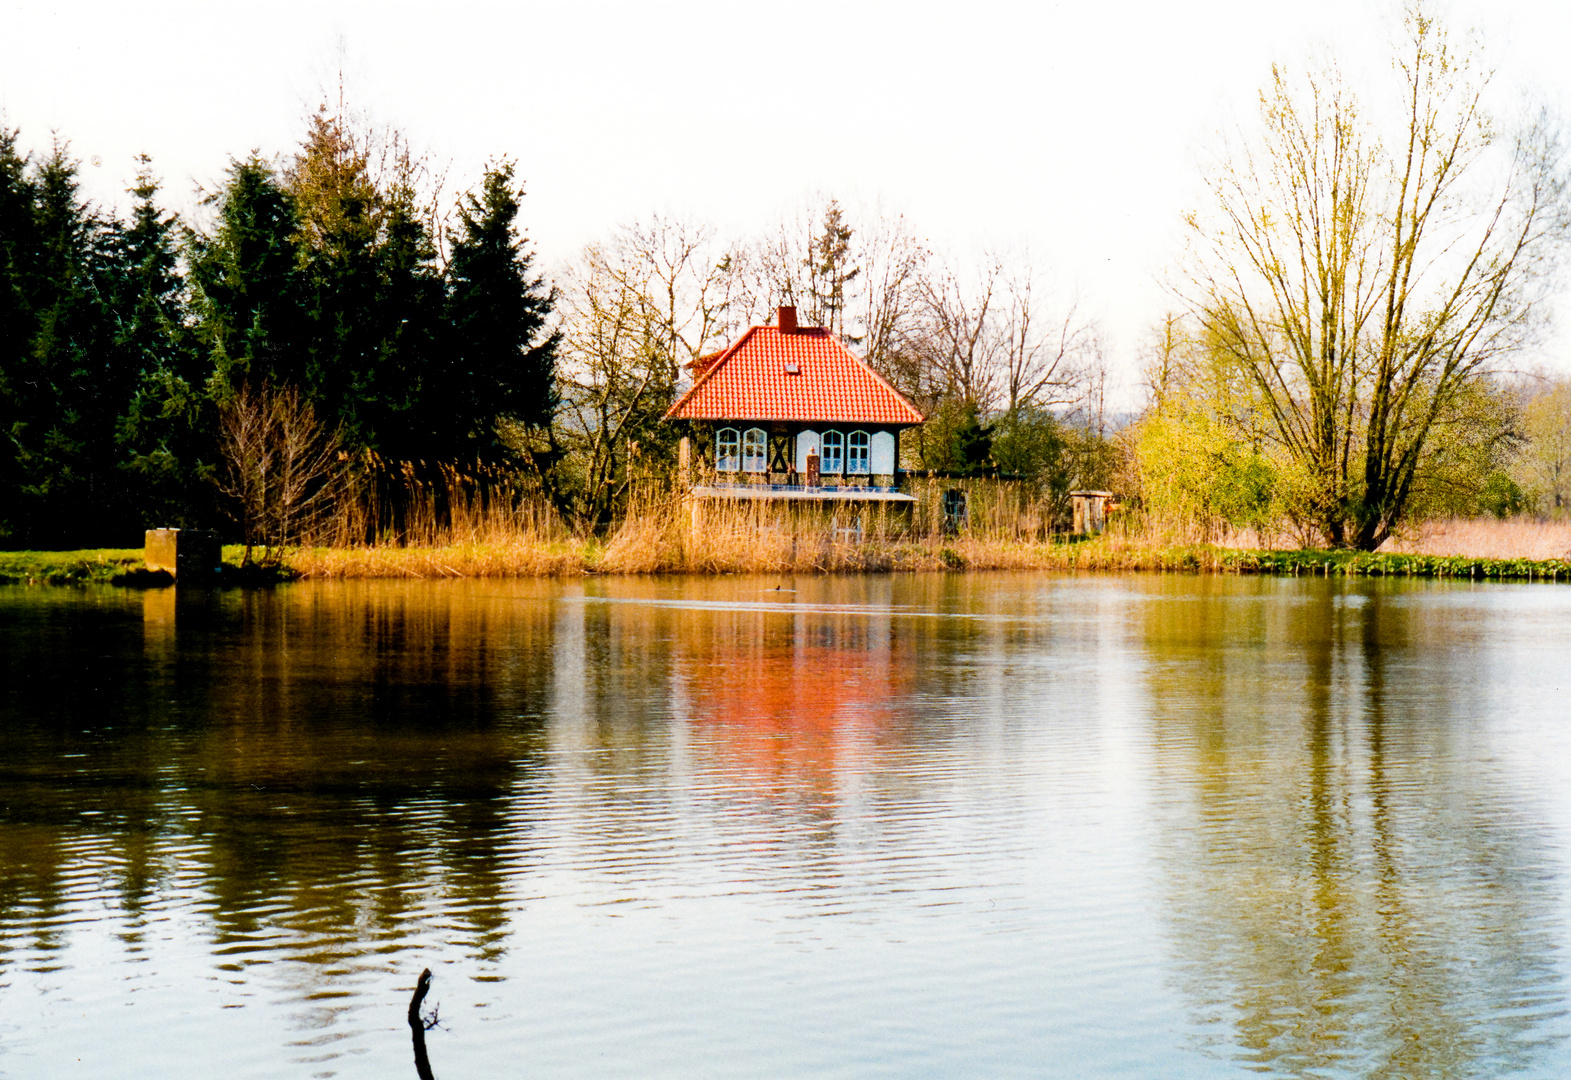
[(856, 453), (830, 460), (755, 450), (726, 457)]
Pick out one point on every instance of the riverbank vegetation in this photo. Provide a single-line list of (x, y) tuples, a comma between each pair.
[(345, 365)]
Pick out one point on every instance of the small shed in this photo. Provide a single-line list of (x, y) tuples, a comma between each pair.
[(1090, 510)]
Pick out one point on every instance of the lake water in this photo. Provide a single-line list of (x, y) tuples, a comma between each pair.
[(919, 826)]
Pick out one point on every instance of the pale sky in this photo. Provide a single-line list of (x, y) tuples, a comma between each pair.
[(1076, 132)]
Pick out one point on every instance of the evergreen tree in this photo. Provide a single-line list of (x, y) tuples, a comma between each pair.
[(339, 213), (66, 384), (411, 296), (374, 294), (971, 442), (250, 285), (161, 433), (830, 273), (500, 363), (16, 325)]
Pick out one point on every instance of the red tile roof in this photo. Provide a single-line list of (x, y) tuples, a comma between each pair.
[(751, 380)]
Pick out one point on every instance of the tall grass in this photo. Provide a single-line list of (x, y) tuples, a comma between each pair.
[(408, 522), (1487, 538), (404, 521)]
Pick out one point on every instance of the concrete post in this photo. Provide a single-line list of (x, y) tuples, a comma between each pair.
[(186, 553)]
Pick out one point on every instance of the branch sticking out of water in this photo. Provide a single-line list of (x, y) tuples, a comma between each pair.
[(417, 1026)]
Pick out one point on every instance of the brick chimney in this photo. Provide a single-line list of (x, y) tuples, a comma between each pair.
[(786, 320)]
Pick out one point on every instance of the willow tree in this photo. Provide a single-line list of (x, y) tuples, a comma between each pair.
[(1365, 277)]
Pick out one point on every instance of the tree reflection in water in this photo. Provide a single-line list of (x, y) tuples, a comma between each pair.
[(1352, 893), (329, 771), (924, 823)]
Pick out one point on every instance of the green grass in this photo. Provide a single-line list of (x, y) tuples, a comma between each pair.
[(102, 566), (111, 566), (116, 566), (1378, 564)]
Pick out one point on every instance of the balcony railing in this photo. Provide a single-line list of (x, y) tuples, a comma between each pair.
[(721, 489)]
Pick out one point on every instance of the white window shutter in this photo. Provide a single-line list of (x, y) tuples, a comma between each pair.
[(806, 443), (883, 454)]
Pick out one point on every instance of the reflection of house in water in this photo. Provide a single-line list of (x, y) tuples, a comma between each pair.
[(792, 698)]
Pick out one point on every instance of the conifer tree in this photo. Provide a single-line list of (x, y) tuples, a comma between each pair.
[(16, 243), (161, 432), (67, 387), (830, 272), (500, 362), (373, 291), (411, 296), (249, 283), (339, 213)]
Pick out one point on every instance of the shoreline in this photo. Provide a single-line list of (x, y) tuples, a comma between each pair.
[(124, 567)]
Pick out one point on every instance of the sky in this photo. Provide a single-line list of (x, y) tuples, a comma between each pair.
[(1075, 135)]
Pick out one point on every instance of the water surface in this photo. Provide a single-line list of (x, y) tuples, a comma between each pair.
[(930, 825)]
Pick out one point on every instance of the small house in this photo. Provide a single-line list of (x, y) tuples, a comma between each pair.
[(789, 412)]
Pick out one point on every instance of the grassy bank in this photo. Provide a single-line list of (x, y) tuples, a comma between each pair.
[(115, 566), (1392, 564), (482, 559), (656, 545), (103, 566)]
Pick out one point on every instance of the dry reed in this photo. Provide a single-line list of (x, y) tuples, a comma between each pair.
[(405, 523), (1487, 538), (451, 528), (399, 521)]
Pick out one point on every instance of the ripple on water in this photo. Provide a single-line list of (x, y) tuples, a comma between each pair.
[(910, 826)]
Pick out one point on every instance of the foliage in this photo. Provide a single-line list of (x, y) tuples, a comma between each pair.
[(500, 361), (1363, 295), (80, 299), (1194, 470), (1030, 442), (124, 342), (249, 283), (1501, 496), (1543, 467)]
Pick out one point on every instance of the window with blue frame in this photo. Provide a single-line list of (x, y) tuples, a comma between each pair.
[(727, 450), (856, 454), (755, 450), (831, 455)]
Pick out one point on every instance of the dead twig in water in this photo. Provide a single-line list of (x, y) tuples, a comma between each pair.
[(418, 1026)]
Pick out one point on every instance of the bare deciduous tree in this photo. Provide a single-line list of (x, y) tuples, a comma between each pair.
[(280, 467), (893, 263), (810, 261), (1364, 290), (992, 343), (636, 310)]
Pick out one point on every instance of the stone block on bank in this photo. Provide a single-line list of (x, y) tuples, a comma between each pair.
[(188, 554)]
